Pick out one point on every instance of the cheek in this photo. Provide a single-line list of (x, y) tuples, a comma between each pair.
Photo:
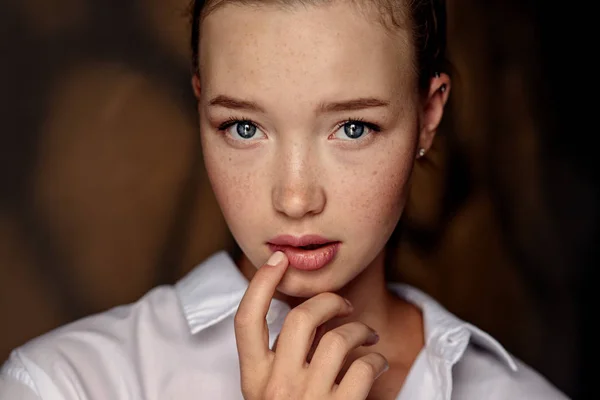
[(232, 188), (234, 185), (376, 196), (220, 171)]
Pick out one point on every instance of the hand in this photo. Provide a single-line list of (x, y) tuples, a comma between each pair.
[(285, 373)]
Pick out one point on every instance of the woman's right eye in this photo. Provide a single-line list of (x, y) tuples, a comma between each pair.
[(242, 130)]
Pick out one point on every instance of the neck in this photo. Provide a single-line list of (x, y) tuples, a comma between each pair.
[(398, 323)]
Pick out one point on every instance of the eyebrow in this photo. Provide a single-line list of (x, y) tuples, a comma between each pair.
[(235, 104), (353, 105), (349, 105)]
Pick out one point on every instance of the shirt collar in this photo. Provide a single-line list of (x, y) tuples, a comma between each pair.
[(212, 291), (446, 335)]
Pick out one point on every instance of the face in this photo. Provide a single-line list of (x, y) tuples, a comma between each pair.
[(310, 121)]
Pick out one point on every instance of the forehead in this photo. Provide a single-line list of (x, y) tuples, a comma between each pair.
[(321, 49)]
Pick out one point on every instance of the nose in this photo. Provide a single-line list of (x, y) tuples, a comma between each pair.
[(298, 191)]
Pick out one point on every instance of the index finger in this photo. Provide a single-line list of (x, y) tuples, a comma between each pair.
[(252, 334)]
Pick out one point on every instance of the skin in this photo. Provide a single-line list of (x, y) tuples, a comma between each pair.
[(293, 73)]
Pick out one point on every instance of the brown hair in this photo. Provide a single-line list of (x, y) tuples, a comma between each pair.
[(427, 18)]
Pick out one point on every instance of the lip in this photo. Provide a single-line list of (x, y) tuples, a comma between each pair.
[(303, 259)]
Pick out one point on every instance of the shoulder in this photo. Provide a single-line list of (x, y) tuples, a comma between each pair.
[(91, 352), (470, 362), (480, 374), (114, 328), (154, 345)]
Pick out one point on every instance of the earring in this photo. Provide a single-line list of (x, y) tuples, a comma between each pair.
[(421, 153)]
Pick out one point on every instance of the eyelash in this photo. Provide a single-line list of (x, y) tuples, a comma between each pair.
[(373, 127), (234, 120)]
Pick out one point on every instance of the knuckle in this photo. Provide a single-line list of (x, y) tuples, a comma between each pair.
[(276, 391), (300, 316), (336, 340), (365, 369), (242, 319), (250, 388)]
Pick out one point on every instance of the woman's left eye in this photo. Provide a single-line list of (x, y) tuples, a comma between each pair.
[(352, 130)]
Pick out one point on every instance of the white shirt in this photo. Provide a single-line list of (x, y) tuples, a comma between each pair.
[(178, 342)]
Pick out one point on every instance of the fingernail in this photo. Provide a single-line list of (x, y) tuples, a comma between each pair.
[(387, 367), (275, 258), (372, 339), (349, 304)]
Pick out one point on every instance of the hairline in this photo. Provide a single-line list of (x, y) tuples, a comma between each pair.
[(393, 15)]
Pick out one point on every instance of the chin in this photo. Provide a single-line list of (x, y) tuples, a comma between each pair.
[(300, 290), (305, 284)]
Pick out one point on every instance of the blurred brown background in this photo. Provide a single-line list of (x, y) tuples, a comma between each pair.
[(103, 193)]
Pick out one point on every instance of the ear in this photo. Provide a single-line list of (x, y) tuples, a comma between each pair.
[(433, 110), (196, 85)]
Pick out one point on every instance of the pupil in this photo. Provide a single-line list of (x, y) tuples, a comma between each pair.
[(246, 130), (354, 130)]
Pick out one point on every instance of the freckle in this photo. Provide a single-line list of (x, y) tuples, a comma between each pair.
[(375, 172)]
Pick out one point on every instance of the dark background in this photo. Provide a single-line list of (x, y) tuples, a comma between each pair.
[(103, 193)]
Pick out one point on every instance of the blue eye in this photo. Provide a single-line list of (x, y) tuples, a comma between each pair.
[(245, 129), (242, 130), (354, 129)]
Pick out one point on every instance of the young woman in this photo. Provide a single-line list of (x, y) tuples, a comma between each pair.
[(312, 117)]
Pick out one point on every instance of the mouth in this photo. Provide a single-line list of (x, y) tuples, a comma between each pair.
[(312, 246), (307, 253)]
